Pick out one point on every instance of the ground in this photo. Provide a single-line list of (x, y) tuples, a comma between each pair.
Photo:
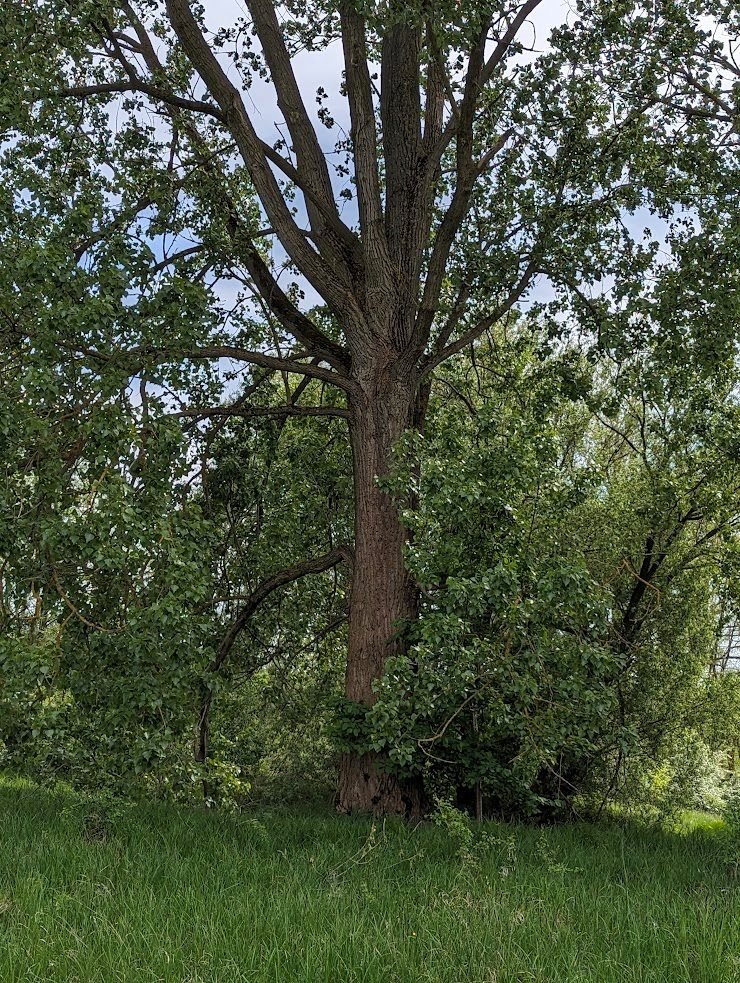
[(171, 894)]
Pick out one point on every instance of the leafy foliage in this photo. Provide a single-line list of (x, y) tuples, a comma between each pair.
[(212, 346)]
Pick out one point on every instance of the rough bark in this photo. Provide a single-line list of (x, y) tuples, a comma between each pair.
[(364, 788), (384, 598)]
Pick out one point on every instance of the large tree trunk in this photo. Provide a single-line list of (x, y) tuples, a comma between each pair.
[(383, 595)]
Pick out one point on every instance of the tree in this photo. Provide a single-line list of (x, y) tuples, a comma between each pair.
[(473, 171)]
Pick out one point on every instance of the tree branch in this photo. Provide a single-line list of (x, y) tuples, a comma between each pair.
[(194, 105), (279, 411), (175, 257), (488, 68), (448, 229), (310, 159), (316, 565), (138, 357), (437, 86), (405, 206), (499, 52), (331, 283), (292, 319), (364, 137), (484, 324)]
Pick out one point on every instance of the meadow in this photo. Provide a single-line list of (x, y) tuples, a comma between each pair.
[(161, 893)]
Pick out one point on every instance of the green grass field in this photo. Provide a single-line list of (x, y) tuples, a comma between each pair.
[(179, 895)]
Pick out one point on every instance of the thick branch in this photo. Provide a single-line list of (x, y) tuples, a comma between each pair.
[(437, 86), (292, 318), (163, 95), (329, 282), (136, 358), (253, 601), (400, 108), (175, 258), (364, 137), (499, 52), (311, 163), (652, 561), (278, 411), (445, 237), (490, 66), (266, 361), (317, 565), (327, 209)]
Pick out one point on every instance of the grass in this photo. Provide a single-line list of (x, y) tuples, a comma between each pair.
[(183, 895)]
